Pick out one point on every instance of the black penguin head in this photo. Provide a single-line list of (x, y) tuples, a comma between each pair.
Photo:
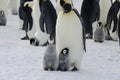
[(67, 7), (65, 51), (100, 25)]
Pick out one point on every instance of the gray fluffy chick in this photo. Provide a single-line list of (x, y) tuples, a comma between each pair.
[(50, 61), (99, 33), (3, 19), (63, 60)]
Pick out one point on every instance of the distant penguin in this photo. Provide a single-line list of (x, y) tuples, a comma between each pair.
[(70, 35), (90, 12), (50, 61), (3, 19), (59, 4), (99, 33), (48, 18), (63, 64)]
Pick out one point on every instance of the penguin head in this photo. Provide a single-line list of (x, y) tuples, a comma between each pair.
[(100, 25), (65, 51), (1, 12), (67, 7)]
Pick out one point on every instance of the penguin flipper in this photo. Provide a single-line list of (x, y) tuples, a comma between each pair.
[(42, 16), (83, 28), (115, 24)]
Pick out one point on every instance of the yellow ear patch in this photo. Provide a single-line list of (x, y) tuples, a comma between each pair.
[(29, 3)]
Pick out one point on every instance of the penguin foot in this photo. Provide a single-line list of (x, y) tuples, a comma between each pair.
[(36, 43), (100, 41), (25, 38), (88, 36), (74, 69), (32, 41), (108, 37), (59, 69)]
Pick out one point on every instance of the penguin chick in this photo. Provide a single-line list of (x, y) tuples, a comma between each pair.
[(63, 60), (50, 58), (99, 33)]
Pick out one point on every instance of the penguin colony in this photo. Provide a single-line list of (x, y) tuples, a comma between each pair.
[(45, 25)]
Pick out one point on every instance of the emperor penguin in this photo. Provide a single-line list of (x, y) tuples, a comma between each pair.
[(48, 18), (37, 37), (90, 12), (99, 33), (112, 19), (103, 15), (59, 4), (50, 61), (70, 34), (45, 21), (25, 14), (63, 64)]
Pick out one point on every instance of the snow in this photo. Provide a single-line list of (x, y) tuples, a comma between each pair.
[(21, 61)]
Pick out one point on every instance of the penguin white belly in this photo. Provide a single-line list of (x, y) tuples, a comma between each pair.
[(42, 37), (104, 10), (69, 34)]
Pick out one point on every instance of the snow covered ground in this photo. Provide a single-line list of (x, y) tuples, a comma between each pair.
[(21, 61)]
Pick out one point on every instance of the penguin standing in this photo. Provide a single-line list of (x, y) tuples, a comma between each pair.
[(90, 12), (99, 33), (25, 14), (112, 17), (63, 60), (50, 61), (48, 18), (45, 31), (70, 34)]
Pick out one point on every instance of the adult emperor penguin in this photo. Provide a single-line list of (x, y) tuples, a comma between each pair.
[(90, 12), (112, 19), (48, 18), (112, 15), (44, 17), (25, 15), (70, 34)]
